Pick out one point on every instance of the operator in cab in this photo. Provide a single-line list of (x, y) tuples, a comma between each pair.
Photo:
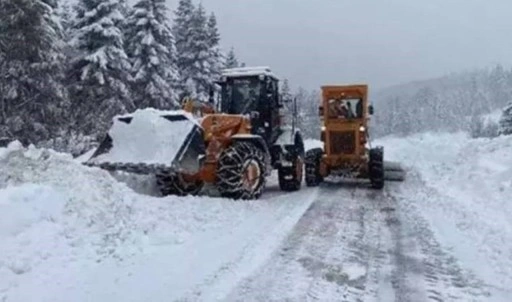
[(339, 108)]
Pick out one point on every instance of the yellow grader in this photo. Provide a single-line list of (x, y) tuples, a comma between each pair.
[(233, 145), (345, 112)]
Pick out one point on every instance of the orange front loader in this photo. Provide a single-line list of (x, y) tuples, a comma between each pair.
[(233, 144)]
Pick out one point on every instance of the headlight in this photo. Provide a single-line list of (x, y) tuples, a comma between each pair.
[(362, 128), (323, 128)]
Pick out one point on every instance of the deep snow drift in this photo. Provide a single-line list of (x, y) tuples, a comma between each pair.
[(73, 233)]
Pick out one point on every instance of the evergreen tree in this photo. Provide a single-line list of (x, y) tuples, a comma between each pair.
[(216, 57), (505, 123), (499, 92), (231, 60), (193, 46), (151, 48), (66, 20), (52, 3), (32, 97), (287, 96), (285, 89), (100, 73), (182, 30)]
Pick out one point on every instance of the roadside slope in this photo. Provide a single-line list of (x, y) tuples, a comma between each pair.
[(96, 239), (463, 188)]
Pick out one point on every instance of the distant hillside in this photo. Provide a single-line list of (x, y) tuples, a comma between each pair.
[(450, 81), (449, 103)]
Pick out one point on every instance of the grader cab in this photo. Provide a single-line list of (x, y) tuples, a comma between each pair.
[(345, 112)]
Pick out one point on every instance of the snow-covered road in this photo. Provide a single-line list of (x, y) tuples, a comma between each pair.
[(72, 233), (355, 244)]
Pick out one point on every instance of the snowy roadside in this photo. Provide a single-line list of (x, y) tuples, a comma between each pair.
[(463, 187), (97, 239)]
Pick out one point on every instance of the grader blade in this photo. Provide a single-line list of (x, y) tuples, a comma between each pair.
[(393, 171), (151, 141)]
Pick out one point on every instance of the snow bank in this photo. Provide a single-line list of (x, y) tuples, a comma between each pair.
[(55, 210), (73, 233), (464, 186), (24, 206)]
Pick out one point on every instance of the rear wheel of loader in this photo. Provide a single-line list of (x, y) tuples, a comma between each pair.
[(313, 158), (376, 168), (290, 178), (241, 171), (177, 184)]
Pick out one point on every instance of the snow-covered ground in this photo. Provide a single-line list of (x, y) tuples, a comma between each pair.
[(73, 233), (463, 188)]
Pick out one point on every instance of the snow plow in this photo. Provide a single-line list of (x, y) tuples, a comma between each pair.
[(347, 153), (232, 144)]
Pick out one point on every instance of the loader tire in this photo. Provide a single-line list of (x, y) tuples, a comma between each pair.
[(241, 171), (376, 168), (290, 178), (173, 184), (312, 163)]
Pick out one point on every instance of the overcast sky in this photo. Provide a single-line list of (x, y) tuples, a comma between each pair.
[(380, 42)]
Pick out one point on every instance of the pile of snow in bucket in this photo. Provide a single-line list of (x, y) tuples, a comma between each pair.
[(149, 137)]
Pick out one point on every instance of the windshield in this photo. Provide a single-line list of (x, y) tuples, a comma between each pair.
[(241, 95), (345, 108)]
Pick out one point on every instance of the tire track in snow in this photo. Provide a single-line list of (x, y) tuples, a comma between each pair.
[(257, 245), (420, 258), (334, 252), (295, 245), (356, 244), (356, 254)]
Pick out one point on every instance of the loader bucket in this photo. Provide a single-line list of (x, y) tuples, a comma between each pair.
[(150, 141)]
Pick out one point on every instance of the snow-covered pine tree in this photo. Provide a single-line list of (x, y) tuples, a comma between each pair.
[(32, 98), (66, 18), (231, 60), (312, 118), (192, 44), (99, 75), (125, 8), (287, 97), (285, 88), (152, 52), (499, 94), (216, 57), (505, 123), (53, 3), (182, 33)]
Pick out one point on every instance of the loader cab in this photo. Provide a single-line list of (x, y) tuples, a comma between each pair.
[(252, 91)]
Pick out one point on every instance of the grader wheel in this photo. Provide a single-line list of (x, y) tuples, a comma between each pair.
[(313, 157), (376, 168), (241, 171)]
